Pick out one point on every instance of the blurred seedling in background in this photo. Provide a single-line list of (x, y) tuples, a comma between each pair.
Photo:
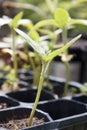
[(63, 21)]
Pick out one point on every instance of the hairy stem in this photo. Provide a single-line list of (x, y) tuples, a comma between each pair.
[(37, 70), (44, 66), (64, 35), (67, 77)]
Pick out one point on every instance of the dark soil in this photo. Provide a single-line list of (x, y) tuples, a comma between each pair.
[(3, 105), (20, 123)]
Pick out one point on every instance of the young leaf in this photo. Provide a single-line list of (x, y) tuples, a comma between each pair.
[(78, 21), (31, 42), (45, 23), (58, 51), (34, 35), (61, 17), (14, 22)]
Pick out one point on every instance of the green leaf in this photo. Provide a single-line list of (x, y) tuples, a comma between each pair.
[(45, 23), (61, 17), (31, 42), (15, 20), (27, 23), (59, 51), (78, 21), (34, 35)]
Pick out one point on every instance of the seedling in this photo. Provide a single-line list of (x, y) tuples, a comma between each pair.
[(63, 21), (46, 57), (13, 23)]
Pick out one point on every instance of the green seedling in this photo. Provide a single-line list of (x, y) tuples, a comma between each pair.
[(46, 57), (30, 56), (13, 23), (16, 22), (63, 21)]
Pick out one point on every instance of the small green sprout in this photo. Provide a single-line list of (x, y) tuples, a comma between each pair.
[(46, 57)]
